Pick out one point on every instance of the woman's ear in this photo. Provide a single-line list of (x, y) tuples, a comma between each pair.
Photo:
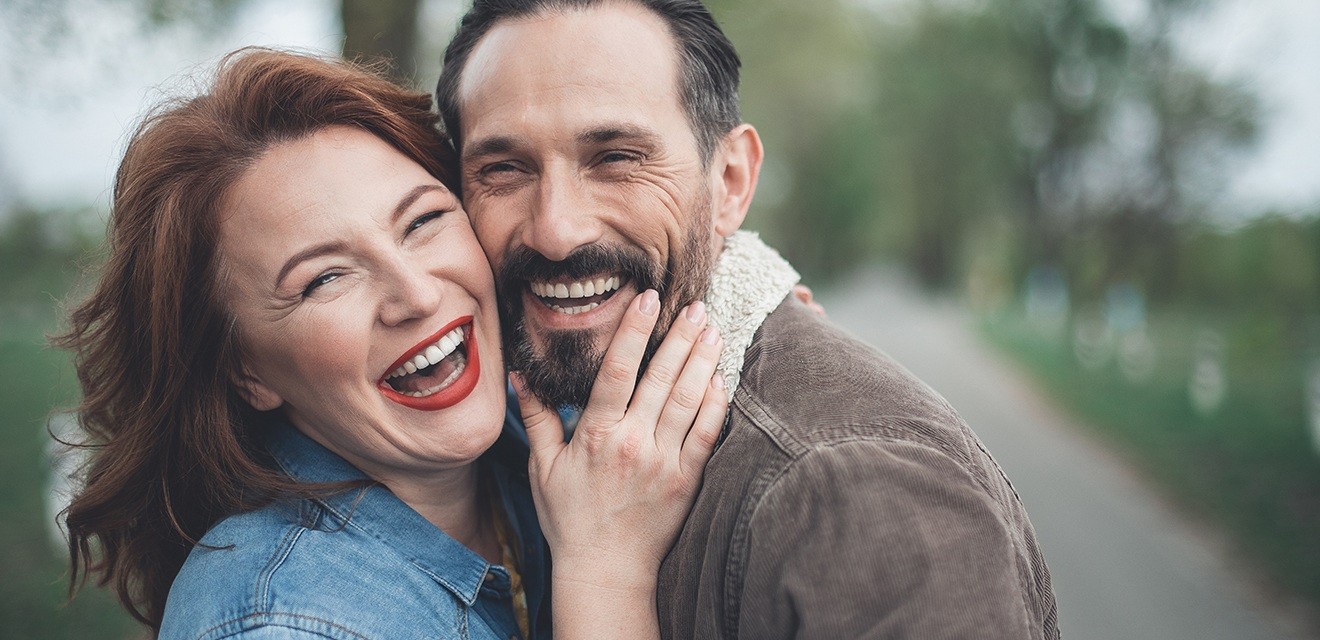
[(737, 167), (255, 392)]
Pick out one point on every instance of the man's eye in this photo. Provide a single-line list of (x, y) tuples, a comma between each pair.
[(316, 283), (617, 156), (421, 220), (499, 167)]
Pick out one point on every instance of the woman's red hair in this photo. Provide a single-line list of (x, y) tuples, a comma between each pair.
[(173, 448)]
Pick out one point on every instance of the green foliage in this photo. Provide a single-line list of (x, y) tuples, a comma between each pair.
[(33, 593), (1271, 265), (1248, 465), (38, 264)]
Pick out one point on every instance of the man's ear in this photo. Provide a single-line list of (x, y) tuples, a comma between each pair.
[(255, 392), (737, 168)]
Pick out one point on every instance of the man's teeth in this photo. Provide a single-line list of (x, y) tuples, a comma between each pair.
[(431, 355), (575, 310), (583, 289)]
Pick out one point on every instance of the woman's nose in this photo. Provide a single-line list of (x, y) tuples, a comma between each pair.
[(410, 292)]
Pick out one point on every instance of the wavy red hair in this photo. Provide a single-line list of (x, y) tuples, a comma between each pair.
[(173, 446)]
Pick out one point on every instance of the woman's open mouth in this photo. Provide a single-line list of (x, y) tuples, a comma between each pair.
[(437, 373)]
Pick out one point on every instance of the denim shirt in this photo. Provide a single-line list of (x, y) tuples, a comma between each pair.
[(361, 564)]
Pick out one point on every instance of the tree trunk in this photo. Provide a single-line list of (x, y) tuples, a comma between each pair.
[(386, 30)]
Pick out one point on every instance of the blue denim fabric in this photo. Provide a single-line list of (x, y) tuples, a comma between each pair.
[(361, 564)]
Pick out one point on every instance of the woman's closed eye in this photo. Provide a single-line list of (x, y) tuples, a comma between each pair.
[(420, 221), (318, 281)]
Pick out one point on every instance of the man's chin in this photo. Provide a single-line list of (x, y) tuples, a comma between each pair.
[(558, 367)]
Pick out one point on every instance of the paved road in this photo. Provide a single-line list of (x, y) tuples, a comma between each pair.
[(1124, 565)]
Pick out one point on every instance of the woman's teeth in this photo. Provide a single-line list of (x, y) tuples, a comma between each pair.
[(555, 296), (431, 355), (458, 371)]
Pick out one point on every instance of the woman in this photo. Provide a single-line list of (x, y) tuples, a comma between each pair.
[(291, 367)]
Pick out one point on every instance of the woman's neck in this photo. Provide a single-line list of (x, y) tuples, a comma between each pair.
[(455, 502)]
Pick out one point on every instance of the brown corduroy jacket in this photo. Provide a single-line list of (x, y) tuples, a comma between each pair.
[(849, 500)]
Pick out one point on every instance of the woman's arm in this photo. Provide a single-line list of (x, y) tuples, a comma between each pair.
[(612, 501)]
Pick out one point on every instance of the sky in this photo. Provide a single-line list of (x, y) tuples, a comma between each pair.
[(63, 125)]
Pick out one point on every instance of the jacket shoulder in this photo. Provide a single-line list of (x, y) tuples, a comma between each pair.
[(808, 383), (273, 568)]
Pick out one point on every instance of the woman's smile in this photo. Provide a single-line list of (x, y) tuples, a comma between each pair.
[(437, 373), (380, 358)]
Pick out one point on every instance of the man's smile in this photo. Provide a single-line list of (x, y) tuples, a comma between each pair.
[(574, 297)]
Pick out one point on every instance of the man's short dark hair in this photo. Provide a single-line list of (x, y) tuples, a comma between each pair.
[(708, 63)]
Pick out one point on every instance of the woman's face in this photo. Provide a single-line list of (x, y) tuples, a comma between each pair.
[(348, 266)]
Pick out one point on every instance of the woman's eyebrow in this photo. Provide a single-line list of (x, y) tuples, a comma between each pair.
[(334, 246), (412, 196), (313, 251)]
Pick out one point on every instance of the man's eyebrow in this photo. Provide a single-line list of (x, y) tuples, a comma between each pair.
[(314, 251), (612, 133), (489, 146)]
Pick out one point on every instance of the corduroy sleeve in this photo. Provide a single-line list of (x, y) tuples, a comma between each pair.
[(880, 539)]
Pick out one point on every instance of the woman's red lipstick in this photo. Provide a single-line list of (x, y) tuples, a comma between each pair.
[(458, 389)]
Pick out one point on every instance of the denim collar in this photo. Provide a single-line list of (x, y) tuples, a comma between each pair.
[(377, 512)]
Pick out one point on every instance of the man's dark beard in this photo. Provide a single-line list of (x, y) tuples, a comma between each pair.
[(564, 374)]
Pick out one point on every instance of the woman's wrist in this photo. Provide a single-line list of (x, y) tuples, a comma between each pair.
[(605, 572), (602, 599)]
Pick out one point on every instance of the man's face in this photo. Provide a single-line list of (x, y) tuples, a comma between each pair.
[(584, 184)]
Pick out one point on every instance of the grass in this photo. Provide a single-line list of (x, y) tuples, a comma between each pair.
[(37, 379), (35, 577), (1248, 465)]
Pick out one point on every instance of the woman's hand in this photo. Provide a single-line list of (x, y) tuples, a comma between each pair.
[(611, 501)]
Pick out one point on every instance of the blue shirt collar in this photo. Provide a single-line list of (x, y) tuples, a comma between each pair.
[(379, 513)]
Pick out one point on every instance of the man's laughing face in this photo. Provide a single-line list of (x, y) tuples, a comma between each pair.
[(584, 183), (559, 359)]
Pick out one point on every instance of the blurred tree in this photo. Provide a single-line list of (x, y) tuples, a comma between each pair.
[(804, 87), (382, 30), (901, 126), (1139, 143), (374, 30)]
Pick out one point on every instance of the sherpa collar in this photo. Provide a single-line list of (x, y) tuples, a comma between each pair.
[(748, 282)]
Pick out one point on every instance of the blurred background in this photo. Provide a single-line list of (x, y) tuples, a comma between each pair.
[(1093, 224)]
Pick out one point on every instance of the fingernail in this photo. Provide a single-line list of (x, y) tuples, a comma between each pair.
[(696, 312), (711, 335), (650, 302), (717, 381), (518, 387)]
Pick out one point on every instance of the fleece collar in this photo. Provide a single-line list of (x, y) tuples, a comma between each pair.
[(748, 282)]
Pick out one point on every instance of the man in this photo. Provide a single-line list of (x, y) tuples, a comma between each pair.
[(603, 154)]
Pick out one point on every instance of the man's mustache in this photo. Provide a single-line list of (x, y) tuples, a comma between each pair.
[(523, 264)]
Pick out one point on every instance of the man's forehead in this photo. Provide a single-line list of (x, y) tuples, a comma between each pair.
[(618, 50)]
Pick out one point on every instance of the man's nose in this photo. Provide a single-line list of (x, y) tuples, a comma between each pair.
[(410, 292), (563, 217)]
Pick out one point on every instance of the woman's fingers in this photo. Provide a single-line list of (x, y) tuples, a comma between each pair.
[(618, 371), (545, 431), (656, 388), (689, 390), (705, 432)]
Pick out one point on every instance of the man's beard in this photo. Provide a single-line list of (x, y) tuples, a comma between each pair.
[(563, 373)]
